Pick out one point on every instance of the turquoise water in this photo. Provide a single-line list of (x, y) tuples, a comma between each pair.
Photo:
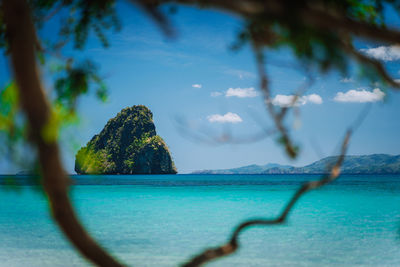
[(163, 220)]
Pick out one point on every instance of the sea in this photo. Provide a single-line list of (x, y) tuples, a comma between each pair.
[(163, 220)]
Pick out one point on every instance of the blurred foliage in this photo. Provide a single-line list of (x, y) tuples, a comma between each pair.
[(83, 16), (8, 110), (310, 43), (12, 123), (60, 116), (71, 81), (78, 19), (316, 47), (13, 135)]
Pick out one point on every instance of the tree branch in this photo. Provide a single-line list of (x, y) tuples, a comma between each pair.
[(315, 16), (150, 7), (375, 64), (276, 116), (21, 37), (232, 245)]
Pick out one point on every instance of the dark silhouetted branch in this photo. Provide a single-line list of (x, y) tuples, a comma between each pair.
[(232, 245), (315, 16), (276, 116), (375, 64), (21, 39), (151, 8), (54, 11), (311, 14)]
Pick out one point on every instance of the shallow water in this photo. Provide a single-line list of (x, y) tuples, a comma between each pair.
[(163, 220)]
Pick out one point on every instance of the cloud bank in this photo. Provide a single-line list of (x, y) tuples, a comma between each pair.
[(196, 85), (227, 118), (288, 100), (241, 92), (385, 53), (360, 96)]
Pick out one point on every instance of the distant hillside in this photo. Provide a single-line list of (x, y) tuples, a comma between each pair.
[(368, 164), (250, 169)]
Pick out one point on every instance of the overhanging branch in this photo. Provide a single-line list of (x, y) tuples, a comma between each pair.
[(232, 245), (21, 38)]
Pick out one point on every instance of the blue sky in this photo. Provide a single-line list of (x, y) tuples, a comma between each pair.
[(196, 77)]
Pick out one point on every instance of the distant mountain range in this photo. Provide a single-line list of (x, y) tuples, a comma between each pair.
[(367, 164)]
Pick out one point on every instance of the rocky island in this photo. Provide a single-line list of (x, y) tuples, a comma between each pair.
[(128, 144)]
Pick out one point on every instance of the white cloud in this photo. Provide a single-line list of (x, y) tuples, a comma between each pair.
[(346, 80), (360, 96), (216, 94), (241, 92), (287, 100), (227, 118), (385, 53), (314, 98), (196, 85)]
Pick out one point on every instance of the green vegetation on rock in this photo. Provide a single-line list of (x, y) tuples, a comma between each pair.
[(128, 144)]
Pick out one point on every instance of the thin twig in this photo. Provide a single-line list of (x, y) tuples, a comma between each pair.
[(151, 8), (232, 245), (54, 11), (375, 64), (278, 118), (331, 175), (206, 137)]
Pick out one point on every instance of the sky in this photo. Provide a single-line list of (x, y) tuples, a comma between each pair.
[(196, 81)]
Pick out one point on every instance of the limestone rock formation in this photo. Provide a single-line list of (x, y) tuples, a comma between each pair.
[(128, 144)]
